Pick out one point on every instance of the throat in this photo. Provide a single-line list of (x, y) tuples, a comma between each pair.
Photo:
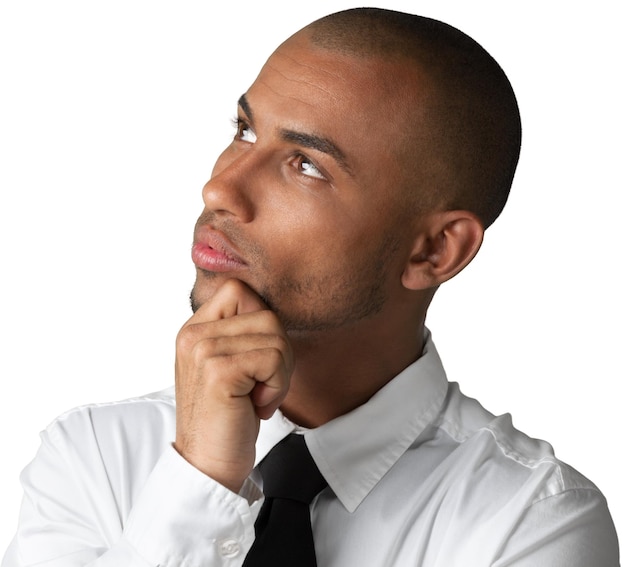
[(335, 377)]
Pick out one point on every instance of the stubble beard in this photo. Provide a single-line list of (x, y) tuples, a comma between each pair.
[(330, 302)]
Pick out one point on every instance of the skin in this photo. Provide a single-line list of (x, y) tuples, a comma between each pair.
[(335, 268)]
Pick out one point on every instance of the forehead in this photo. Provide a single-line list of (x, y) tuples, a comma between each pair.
[(301, 70), (334, 90)]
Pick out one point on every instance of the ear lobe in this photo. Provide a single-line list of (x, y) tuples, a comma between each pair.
[(447, 243)]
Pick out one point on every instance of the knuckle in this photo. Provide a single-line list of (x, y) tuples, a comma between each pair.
[(205, 350), (186, 338), (268, 318), (282, 344), (276, 358), (215, 370), (196, 337)]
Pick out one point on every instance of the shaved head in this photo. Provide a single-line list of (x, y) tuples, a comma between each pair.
[(461, 145)]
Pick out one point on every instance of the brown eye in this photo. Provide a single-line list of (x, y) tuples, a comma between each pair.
[(308, 168), (244, 132)]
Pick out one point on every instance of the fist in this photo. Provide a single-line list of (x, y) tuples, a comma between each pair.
[(233, 365)]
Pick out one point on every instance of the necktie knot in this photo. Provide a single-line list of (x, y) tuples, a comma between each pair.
[(289, 471), (291, 480)]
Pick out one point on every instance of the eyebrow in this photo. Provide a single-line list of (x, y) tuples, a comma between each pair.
[(245, 106), (312, 141)]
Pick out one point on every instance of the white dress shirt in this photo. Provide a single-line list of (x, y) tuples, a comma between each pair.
[(420, 476)]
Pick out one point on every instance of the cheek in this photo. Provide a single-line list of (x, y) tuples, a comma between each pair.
[(314, 238), (325, 252)]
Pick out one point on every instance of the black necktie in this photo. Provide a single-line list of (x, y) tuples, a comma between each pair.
[(291, 481)]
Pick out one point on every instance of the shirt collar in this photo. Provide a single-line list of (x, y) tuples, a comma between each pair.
[(355, 450)]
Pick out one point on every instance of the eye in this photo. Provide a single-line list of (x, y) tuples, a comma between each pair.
[(244, 132), (306, 167)]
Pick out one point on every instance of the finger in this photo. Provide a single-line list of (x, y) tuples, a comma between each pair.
[(232, 298), (261, 374), (230, 336), (211, 347), (266, 400), (259, 322)]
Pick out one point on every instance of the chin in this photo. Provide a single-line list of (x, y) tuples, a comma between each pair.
[(203, 289)]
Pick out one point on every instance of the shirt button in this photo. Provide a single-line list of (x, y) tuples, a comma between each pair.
[(229, 548)]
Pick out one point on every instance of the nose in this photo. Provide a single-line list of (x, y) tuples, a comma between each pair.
[(229, 191)]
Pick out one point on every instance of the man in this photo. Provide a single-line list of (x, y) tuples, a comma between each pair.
[(370, 154)]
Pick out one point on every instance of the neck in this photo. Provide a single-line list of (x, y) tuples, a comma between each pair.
[(338, 371)]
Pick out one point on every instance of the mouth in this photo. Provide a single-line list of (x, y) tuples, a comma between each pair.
[(212, 252)]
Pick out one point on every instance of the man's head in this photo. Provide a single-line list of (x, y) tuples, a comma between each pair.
[(370, 153), (463, 137)]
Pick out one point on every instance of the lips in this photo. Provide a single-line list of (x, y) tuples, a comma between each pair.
[(213, 252)]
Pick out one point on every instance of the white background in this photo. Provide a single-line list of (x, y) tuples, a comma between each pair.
[(111, 116)]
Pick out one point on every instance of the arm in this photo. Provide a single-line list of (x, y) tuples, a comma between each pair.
[(194, 506), (71, 516)]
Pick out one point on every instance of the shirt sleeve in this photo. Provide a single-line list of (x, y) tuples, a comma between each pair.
[(71, 516), (570, 529)]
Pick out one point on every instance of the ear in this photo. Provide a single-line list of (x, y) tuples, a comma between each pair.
[(447, 242)]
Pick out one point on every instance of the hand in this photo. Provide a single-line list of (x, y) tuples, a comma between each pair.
[(233, 365)]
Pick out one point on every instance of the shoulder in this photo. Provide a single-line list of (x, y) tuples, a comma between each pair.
[(511, 460), (144, 424), (514, 492), (156, 407)]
